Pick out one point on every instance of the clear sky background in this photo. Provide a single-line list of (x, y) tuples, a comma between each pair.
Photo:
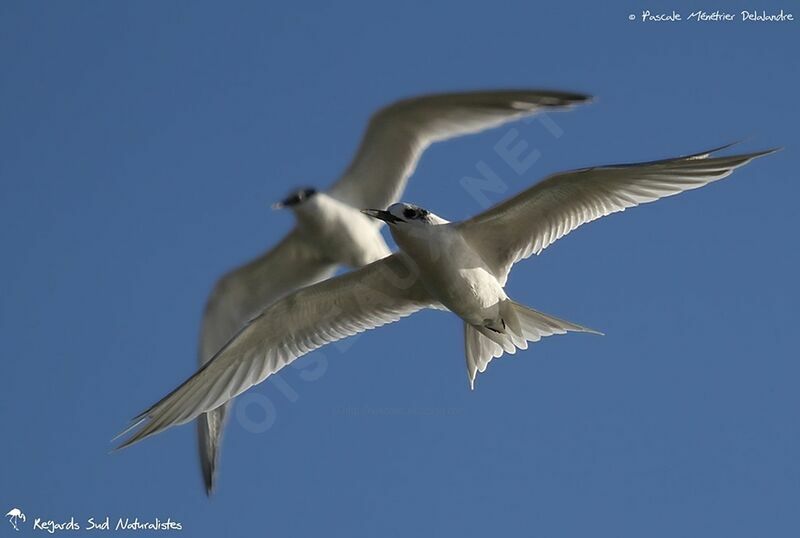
[(142, 144)]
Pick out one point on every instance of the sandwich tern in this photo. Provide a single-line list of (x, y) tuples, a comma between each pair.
[(457, 266), (331, 231)]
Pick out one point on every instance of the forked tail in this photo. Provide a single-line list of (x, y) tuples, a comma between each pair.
[(520, 326)]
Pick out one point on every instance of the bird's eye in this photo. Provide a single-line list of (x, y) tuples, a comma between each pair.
[(410, 213)]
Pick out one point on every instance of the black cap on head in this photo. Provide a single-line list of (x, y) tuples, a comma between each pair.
[(297, 197)]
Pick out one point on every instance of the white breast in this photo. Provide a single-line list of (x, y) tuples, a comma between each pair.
[(451, 270), (342, 233)]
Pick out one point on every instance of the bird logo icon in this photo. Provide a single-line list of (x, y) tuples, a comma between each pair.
[(14, 515)]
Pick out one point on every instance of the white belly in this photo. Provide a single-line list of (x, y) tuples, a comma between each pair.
[(342, 233), (455, 275), (472, 294)]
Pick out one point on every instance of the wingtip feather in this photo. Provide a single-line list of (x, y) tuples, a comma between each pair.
[(135, 423), (748, 156)]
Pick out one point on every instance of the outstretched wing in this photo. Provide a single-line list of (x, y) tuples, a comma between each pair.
[(237, 297), (398, 134), (534, 219), (241, 294), (379, 293)]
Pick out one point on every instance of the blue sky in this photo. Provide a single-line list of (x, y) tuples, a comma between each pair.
[(143, 143)]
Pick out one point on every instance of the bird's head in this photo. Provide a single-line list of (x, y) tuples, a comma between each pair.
[(296, 198), (402, 214)]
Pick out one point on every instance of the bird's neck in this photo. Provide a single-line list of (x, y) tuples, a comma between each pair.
[(425, 243)]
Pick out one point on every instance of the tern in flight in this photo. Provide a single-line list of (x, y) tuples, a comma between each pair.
[(332, 232), (457, 266)]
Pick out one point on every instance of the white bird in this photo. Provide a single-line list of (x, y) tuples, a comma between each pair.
[(13, 515), (332, 232), (458, 266)]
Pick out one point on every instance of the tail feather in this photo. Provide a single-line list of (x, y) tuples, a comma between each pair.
[(209, 431), (480, 350), (536, 325), (502, 339), (522, 324), (514, 324)]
